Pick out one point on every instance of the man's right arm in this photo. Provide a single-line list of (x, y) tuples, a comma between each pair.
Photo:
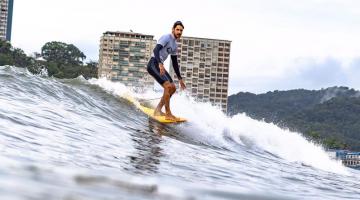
[(157, 52), (157, 58)]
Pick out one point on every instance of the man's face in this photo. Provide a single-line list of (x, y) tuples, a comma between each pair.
[(177, 31)]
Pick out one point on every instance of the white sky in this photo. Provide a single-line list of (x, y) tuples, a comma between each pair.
[(276, 44)]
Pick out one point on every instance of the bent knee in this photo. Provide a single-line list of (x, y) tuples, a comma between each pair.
[(173, 89), (167, 85), (168, 88)]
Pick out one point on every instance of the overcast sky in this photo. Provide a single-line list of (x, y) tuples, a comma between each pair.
[(276, 44)]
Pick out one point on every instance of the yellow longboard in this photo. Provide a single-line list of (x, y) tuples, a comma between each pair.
[(150, 112)]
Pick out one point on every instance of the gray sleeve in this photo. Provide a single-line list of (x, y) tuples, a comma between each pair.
[(174, 52), (164, 40)]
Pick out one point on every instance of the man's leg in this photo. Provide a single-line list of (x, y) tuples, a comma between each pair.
[(169, 90), (158, 108), (165, 98)]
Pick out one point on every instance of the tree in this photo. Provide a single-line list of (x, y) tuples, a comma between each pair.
[(62, 53), (5, 47), (5, 59), (20, 58), (61, 60), (90, 70), (13, 56)]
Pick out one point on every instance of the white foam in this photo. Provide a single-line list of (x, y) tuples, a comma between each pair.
[(114, 88), (286, 144)]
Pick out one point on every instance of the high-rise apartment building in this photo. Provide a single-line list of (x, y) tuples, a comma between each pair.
[(6, 11), (204, 63), (123, 57)]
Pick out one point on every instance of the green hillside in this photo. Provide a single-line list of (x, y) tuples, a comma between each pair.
[(330, 116)]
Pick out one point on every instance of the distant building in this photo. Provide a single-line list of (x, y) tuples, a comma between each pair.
[(123, 57), (352, 159), (6, 12), (349, 159), (204, 65)]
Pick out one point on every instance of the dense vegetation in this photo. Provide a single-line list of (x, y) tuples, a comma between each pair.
[(13, 56), (330, 116), (60, 59)]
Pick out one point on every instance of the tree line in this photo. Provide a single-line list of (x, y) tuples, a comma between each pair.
[(61, 60)]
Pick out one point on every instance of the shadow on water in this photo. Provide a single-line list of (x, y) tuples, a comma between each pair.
[(147, 145), (148, 149)]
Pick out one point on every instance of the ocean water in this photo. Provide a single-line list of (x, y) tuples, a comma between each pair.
[(79, 139)]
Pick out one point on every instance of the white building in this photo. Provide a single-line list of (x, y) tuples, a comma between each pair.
[(204, 65), (123, 57), (6, 11)]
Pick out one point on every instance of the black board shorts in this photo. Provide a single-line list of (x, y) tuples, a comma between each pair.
[(154, 71)]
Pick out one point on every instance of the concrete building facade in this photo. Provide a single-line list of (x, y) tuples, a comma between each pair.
[(123, 57), (204, 64), (6, 12)]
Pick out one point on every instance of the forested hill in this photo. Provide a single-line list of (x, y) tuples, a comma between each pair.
[(330, 116)]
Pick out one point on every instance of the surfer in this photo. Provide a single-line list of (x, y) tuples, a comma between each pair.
[(166, 45)]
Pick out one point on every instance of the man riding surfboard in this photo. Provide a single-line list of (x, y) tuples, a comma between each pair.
[(166, 45)]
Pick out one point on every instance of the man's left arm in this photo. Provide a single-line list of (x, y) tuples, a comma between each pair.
[(175, 65)]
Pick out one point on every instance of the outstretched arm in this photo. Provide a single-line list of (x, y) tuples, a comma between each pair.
[(175, 65)]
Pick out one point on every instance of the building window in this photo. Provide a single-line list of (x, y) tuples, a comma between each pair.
[(191, 43), (207, 71)]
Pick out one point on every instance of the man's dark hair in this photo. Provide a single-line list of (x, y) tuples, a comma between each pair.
[(178, 23)]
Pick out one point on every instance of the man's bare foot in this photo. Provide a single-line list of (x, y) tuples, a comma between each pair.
[(158, 113), (171, 117)]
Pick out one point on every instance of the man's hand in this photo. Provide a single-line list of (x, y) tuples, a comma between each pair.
[(162, 69), (182, 84)]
